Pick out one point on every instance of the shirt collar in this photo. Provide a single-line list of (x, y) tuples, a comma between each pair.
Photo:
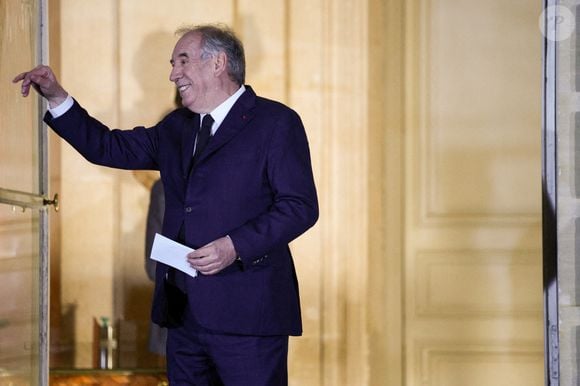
[(219, 113)]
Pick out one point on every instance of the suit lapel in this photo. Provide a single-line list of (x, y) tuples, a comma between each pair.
[(236, 120), (189, 131)]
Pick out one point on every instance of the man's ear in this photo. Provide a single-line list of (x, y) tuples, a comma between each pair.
[(220, 63)]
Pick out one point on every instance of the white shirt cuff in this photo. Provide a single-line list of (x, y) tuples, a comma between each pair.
[(62, 108)]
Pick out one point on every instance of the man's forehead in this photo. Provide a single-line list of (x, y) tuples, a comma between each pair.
[(186, 45), (190, 39)]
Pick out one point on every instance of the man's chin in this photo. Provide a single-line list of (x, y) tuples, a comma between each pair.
[(186, 103)]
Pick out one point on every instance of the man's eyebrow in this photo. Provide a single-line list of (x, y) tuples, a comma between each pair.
[(181, 55)]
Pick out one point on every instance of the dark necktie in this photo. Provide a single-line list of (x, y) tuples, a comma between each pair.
[(203, 137)]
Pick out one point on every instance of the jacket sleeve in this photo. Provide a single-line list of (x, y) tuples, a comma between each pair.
[(122, 149)]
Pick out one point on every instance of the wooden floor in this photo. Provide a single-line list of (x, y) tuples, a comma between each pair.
[(106, 378)]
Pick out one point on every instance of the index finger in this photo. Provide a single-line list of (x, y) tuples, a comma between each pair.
[(197, 254), (19, 77)]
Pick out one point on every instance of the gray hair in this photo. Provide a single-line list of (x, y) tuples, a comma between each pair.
[(216, 38)]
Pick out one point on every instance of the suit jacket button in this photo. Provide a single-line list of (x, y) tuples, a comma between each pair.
[(188, 209)]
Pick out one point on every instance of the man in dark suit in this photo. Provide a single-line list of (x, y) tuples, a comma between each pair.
[(238, 188)]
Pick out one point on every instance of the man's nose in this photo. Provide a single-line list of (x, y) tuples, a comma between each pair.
[(174, 74)]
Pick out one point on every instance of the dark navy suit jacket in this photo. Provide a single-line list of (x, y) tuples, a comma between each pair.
[(253, 182)]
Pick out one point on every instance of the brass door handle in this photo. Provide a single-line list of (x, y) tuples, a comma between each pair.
[(27, 200), (54, 202)]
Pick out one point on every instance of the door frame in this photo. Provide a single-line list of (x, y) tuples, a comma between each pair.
[(549, 209)]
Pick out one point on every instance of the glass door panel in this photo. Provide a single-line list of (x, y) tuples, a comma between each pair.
[(19, 283), (19, 51), (23, 212)]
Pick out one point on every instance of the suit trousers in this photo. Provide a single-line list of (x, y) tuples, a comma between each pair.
[(198, 356)]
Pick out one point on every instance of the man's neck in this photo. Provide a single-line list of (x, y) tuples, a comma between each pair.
[(221, 94)]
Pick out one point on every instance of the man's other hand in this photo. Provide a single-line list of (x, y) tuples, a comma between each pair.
[(213, 257)]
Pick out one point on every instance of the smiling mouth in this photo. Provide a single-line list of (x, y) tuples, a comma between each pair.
[(183, 88)]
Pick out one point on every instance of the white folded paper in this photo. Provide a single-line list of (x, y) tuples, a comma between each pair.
[(172, 253)]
